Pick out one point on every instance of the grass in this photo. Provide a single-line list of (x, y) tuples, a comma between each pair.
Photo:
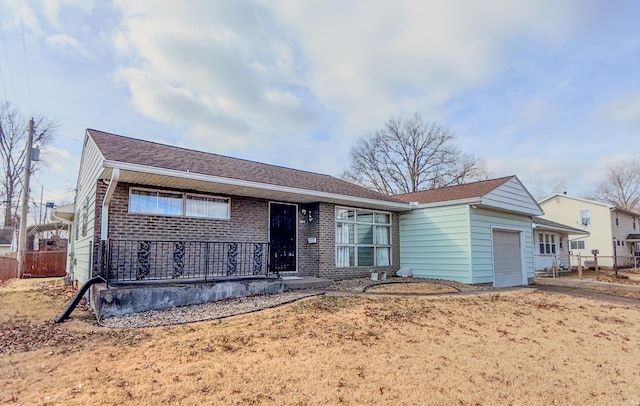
[(520, 347)]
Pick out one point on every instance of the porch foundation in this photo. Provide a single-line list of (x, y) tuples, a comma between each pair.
[(119, 300)]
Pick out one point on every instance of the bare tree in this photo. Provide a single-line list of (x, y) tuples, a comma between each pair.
[(14, 129), (409, 155), (545, 188), (621, 186)]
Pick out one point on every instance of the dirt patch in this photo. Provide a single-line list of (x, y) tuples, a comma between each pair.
[(519, 347), (411, 288)]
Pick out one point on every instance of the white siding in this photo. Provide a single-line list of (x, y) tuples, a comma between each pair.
[(90, 170), (434, 242), (512, 196), (482, 223), (544, 261)]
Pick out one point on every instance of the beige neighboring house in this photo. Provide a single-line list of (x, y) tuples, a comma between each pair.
[(612, 230)]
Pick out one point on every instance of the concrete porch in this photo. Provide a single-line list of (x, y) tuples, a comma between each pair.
[(121, 299), (305, 282)]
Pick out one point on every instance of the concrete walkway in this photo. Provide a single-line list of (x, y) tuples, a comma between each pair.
[(611, 292)]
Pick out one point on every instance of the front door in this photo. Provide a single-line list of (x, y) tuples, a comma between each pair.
[(283, 237)]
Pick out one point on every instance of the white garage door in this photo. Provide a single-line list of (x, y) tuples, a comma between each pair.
[(507, 258)]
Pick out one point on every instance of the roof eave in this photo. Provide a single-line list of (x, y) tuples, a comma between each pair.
[(469, 201), (322, 196), (569, 231)]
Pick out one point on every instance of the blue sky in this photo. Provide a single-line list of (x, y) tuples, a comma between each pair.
[(546, 90)]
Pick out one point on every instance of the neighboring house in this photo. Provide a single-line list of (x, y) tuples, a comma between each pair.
[(612, 230), (46, 236), (473, 233), (149, 211), (551, 244), (8, 241)]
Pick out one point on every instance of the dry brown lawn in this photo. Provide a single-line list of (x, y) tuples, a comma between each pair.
[(517, 347)]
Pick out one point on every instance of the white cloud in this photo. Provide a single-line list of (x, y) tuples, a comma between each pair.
[(223, 70), (257, 74), (51, 9), (66, 43), (625, 109)]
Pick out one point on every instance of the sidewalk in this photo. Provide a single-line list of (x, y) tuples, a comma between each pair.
[(631, 293)]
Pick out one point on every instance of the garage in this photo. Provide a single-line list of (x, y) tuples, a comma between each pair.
[(507, 258)]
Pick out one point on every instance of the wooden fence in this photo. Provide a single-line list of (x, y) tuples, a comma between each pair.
[(8, 267), (38, 264)]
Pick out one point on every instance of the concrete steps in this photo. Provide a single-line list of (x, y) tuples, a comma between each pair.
[(305, 282)]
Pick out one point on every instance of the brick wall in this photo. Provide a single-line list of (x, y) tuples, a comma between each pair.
[(308, 253), (249, 222), (327, 254)]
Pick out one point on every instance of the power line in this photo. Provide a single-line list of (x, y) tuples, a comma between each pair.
[(26, 61), (6, 53)]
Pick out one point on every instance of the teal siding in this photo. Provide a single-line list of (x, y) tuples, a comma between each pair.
[(434, 242), (514, 197), (482, 222)]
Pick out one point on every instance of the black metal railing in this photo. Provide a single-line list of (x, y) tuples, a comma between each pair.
[(145, 260)]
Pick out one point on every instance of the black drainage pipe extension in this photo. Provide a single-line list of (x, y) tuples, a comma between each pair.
[(76, 300)]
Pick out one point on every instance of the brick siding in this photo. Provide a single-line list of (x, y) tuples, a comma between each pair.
[(249, 222)]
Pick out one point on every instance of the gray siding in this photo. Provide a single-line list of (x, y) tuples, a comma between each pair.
[(482, 223), (90, 170), (435, 242)]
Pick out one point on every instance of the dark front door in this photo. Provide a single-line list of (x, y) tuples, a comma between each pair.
[(282, 236)]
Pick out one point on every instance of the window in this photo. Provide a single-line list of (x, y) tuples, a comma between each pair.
[(547, 243), (209, 207), (577, 245), (541, 240), (560, 242), (617, 222), (168, 203), (585, 217), (363, 238)]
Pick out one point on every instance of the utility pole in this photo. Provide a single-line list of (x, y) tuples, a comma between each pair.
[(22, 236)]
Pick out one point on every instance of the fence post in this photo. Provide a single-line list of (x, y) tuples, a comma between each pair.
[(579, 267), (595, 259), (206, 261)]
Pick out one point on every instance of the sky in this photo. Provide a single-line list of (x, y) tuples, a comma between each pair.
[(545, 90)]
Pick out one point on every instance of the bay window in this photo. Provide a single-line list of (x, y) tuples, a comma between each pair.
[(363, 237)]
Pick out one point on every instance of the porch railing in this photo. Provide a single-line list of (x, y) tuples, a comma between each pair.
[(146, 260)]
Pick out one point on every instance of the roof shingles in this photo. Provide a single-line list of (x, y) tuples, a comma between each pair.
[(134, 151), (452, 193)]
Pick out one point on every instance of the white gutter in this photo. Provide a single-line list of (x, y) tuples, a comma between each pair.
[(245, 183), (104, 229)]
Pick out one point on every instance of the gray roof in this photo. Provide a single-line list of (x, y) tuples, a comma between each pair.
[(6, 235), (552, 225), (457, 192), (135, 151)]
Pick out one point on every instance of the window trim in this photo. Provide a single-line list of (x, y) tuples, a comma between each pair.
[(585, 215), (183, 206), (355, 244), (547, 244), (584, 244)]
